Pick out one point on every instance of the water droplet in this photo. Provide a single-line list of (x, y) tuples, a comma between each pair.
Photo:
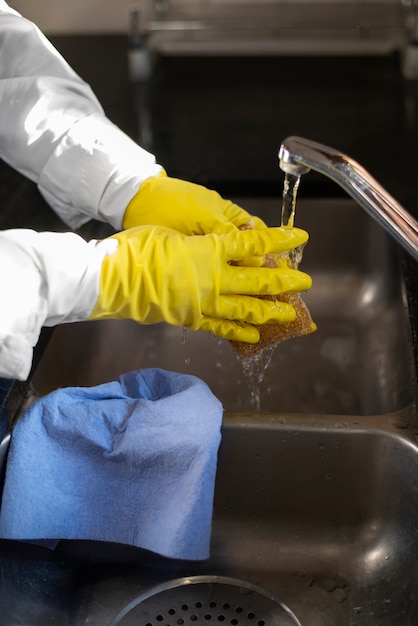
[(184, 336)]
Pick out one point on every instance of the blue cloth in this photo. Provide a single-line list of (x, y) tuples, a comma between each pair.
[(132, 461)]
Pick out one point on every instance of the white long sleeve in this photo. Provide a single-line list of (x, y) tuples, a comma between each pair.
[(53, 130), (46, 279)]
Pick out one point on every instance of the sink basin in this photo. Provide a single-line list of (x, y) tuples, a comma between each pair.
[(359, 362), (322, 512), (316, 495), (318, 511)]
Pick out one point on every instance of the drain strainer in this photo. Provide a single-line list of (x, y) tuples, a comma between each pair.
[(206, 600)]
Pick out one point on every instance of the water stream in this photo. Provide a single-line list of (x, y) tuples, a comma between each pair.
[(290, 192), (254, 367)]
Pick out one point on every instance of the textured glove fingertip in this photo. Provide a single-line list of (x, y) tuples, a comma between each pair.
[(299, 236), (246, 333), (229, 329)]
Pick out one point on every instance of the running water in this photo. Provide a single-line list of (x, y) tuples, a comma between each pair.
[(254, 367), (290, 192)]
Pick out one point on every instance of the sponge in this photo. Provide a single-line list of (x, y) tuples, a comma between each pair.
[(273, 334)]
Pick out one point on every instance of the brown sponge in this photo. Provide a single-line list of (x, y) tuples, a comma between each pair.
[(273, 334)]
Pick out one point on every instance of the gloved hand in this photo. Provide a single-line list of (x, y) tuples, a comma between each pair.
[(186, 207), (159, 275)]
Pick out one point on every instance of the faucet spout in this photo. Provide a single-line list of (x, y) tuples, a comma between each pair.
[(297, 156)]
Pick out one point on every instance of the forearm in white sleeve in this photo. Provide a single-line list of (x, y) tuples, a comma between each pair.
[(46, 279), (53, 130)]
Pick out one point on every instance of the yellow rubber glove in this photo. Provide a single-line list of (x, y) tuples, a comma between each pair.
[(159, 275), (186, 207)]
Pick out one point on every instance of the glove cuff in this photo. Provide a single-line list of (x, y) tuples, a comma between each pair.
[(72, 277), (132, 215)]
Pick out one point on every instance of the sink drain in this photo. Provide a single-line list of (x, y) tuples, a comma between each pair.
[(206, 600)]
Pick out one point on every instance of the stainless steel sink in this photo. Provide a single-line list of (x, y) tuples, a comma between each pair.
[(317, 510), (316, 495), (322, 512)]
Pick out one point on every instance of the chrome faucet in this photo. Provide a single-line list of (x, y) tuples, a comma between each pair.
[(297, 156)]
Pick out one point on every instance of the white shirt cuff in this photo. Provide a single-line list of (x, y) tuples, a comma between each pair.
[(46, 279), (94, 172)]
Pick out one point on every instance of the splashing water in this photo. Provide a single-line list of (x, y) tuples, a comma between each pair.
[(254, 368)]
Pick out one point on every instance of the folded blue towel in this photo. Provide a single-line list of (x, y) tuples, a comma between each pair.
[(131, 461)]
